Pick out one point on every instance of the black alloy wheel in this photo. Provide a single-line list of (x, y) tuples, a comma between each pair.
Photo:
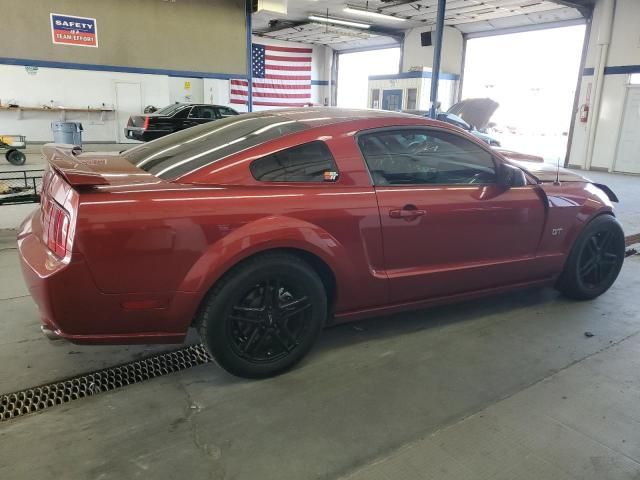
[(269, 321), (598, 259), (595, 259), (264, 315)]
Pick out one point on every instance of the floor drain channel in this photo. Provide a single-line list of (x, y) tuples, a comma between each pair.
[(32, 400)]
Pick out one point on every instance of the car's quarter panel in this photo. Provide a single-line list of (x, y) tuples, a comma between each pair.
[(184, 239), (72, 306)]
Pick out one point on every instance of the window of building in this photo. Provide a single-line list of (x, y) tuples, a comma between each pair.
[(311, 162)]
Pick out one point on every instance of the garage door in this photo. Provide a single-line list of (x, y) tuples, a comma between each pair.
[(628, 157)]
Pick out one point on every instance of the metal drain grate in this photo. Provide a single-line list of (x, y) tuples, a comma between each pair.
[(31, 400)]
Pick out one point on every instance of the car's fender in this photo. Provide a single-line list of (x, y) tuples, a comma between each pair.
[(572, 205), (268, 233)]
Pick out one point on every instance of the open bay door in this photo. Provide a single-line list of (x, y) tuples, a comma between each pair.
[(628, 152)]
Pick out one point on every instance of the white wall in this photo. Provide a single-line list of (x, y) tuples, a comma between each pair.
[(86, 88), (624, 50), (415, 55), (186, 90), (73, 89), (216, 91)]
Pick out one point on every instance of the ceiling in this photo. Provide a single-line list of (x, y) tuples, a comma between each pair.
[(468, 16)]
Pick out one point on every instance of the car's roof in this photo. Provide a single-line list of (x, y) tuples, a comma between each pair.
[(323, 116), (181, 104)]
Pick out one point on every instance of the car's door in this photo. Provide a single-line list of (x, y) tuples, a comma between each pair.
[(447, 226)]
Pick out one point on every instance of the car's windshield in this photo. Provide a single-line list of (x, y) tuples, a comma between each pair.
[(170, 109), (184, 152)]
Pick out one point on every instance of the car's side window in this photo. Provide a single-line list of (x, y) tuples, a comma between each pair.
[(310, 162), (203, 112), (226, 112), (182, 113), (422, 156)]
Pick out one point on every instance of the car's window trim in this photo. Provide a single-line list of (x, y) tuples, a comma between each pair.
[(357, 136), (284, 182)]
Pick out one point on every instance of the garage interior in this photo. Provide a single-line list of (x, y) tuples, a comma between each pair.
[(524, 385)]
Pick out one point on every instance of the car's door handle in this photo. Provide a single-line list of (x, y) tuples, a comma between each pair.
[(407, 212)]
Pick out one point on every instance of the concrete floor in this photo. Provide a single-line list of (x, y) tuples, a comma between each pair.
[(506, 387)]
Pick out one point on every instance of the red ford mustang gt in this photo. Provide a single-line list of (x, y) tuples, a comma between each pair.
[(260, 229)]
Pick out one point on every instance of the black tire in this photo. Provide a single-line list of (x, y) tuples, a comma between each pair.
[(595, 260), (15, 157), (263, 316)]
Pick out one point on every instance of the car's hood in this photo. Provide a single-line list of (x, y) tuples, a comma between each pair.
[(475, 111), (546, 172), (521, 157)]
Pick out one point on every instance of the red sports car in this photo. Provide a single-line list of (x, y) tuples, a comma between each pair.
[(260, 229)]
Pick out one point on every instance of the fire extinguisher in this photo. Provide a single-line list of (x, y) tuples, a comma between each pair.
[(584, 112)]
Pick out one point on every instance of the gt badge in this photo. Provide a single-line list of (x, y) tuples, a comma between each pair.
[(556, 231)]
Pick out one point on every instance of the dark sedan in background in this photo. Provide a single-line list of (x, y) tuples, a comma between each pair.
[(173, 118)]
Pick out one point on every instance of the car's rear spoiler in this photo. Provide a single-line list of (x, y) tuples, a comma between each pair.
[(63, 160)]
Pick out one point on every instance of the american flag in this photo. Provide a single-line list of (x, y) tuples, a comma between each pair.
[(281, 77)]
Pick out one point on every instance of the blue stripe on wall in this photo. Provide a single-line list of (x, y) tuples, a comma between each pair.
[(396, 76), (116, 68), (619, 70), (319, 82)]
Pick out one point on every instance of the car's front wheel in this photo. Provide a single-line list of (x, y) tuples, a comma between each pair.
[(595, 260), (264, 315)]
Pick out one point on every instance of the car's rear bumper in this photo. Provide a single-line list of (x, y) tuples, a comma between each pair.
[(142, 135), (73, 308)]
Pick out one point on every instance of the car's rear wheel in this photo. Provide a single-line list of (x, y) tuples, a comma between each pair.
[(595, 260), (264, 315)]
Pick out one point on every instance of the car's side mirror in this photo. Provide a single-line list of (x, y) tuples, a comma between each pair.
[(510, 176)]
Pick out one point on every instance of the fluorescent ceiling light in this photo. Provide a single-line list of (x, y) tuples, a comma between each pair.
[(338, 21), (371, 13)]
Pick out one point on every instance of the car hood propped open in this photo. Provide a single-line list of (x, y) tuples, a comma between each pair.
[(475, 111)]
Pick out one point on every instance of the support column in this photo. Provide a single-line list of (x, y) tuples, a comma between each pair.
[(248, 12), (437, 52)]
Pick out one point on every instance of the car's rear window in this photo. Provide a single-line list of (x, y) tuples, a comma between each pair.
[(170, 109), (183, 152)]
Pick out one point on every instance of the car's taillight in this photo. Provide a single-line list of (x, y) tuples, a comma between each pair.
[(146, 123), (57, 225)]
